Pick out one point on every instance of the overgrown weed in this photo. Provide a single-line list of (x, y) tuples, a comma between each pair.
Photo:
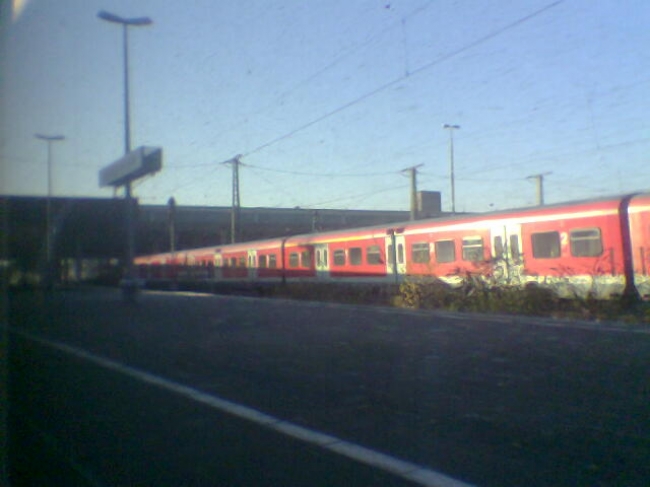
[(476, 295)]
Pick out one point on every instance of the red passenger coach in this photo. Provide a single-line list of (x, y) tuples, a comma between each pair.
[(583, 242), (597, 247)]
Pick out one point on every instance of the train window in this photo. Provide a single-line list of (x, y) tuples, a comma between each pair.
[(473, 249), (390, 254), (373, 255), (586, 242), (272, 261), (233, 262), (356, 256), (242, 262), (339, 257), (294, 260), (262, 260), (445, 251), (400, 253), (546, 245), (420, 253), (305, 258), (498, 247), (324, 257)]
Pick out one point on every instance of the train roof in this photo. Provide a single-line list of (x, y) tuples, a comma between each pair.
[(612, 201), (603, 202)]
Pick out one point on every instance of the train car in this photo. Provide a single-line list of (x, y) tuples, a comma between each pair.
[(574, 248), (352, 255), (596, 247)]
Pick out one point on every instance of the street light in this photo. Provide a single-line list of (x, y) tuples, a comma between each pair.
[(451, 129), (48, 211), (126, 23)]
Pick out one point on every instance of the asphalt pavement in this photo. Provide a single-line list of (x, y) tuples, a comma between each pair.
[(185, 389)]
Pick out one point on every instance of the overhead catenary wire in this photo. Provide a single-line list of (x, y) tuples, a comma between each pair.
[(445, 57), (426, 66), (325, 175), (533, 156), (363, 195), (342, 56)]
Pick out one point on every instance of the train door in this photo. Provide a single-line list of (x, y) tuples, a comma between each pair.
[(639, 224), (507, 254), (218, 266), (395, 256), (322, 261), (252, 264)]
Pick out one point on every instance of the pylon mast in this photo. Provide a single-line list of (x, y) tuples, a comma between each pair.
[(413, 171), (235, 208)]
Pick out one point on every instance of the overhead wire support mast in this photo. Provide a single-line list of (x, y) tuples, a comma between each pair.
[(413, 171), (236, 204), (540, 186), (451, 129)]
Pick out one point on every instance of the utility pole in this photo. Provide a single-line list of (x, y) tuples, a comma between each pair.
[(540, 186), (413, 171), (234, 212)]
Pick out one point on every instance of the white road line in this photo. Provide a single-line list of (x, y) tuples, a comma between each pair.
[(401, 468)]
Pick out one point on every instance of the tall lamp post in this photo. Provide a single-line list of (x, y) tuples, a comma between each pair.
[(451, 129), (126, 23), (49, 139)]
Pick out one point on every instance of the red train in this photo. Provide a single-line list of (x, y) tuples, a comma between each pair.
[(598, 246)]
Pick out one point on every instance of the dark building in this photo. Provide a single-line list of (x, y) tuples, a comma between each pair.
[(85, 232), (88, 234), (203, 226)]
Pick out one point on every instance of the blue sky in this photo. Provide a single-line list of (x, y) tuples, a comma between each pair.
[(329, 101)]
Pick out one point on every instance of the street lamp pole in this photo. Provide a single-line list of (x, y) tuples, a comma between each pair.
[(49, 139), (451, 129), (126, 23)]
